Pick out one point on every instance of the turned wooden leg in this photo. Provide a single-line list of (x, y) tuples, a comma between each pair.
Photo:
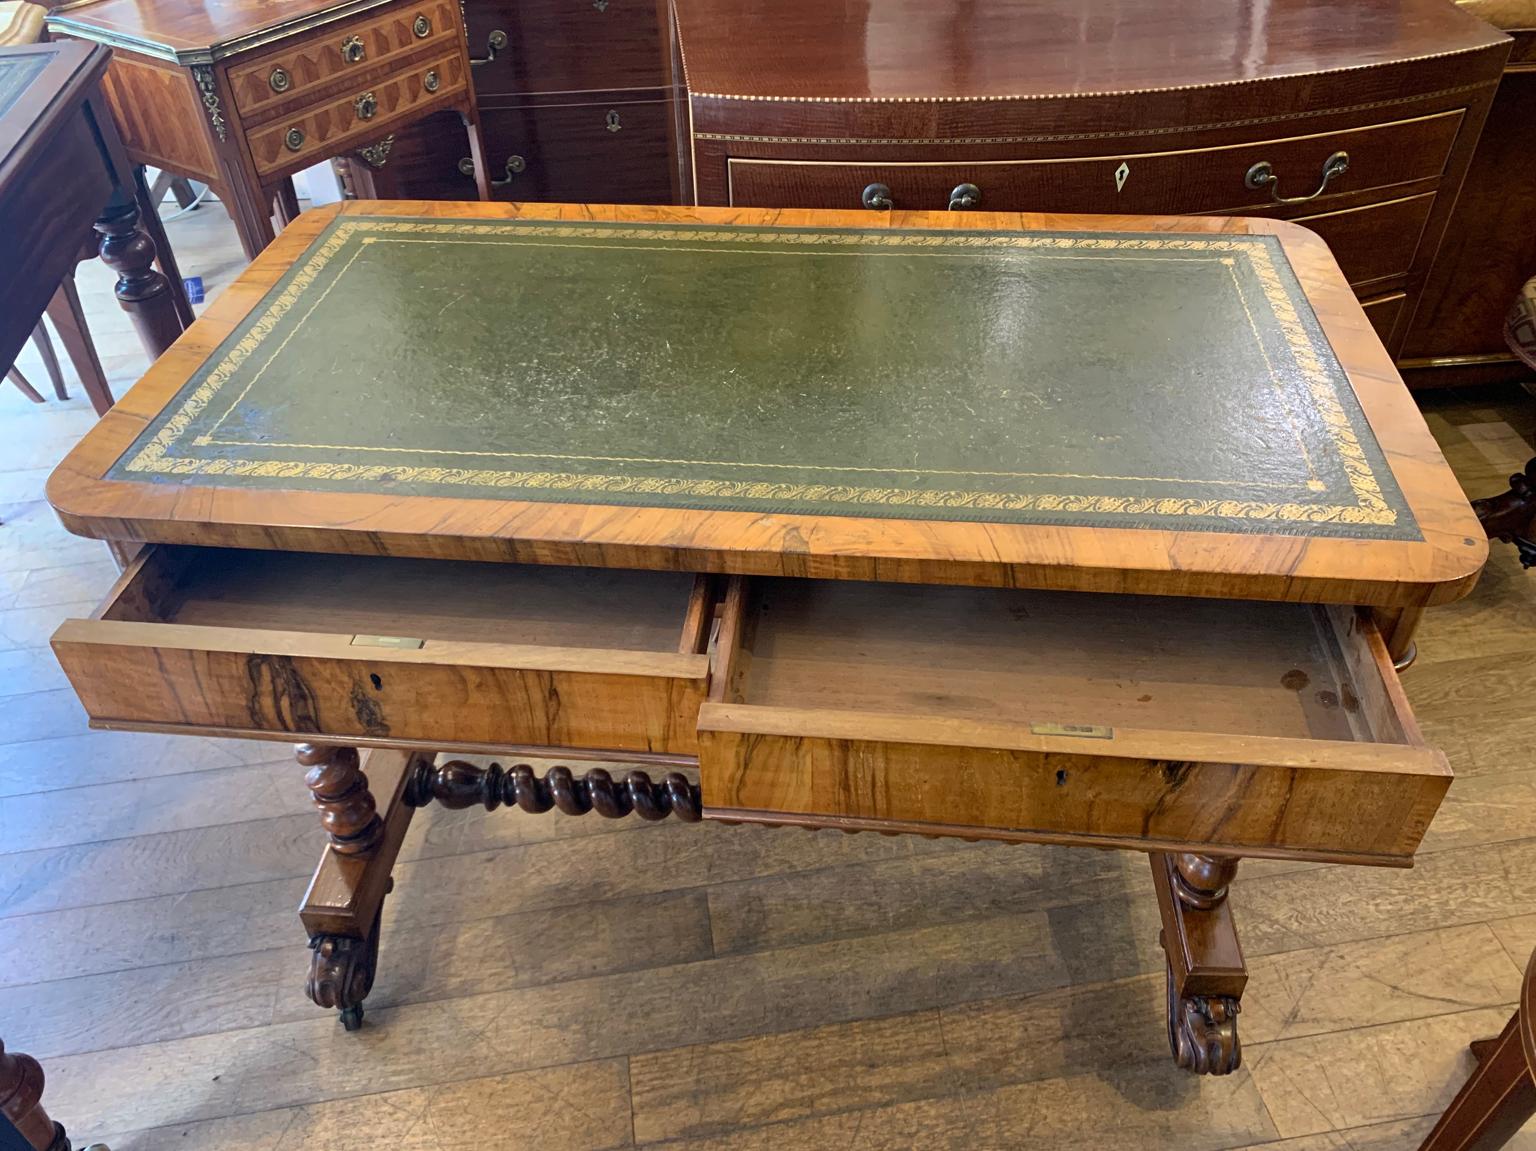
[(340, 788), (149, 214), (342, 909), (144, 293), (1206, 972), (1511, 516), (21, 1095)]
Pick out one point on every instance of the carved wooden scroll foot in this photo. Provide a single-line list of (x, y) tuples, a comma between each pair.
[(457, 784), (347, 807), (341, 972), (1206, 973), (1511, 516)]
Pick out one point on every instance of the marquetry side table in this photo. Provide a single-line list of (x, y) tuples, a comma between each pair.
[(243, 95)]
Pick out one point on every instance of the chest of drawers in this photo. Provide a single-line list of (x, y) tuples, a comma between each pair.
[(1355, 120)]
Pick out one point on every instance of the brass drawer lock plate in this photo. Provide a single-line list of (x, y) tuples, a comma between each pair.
[(366, 104), (352, 50)]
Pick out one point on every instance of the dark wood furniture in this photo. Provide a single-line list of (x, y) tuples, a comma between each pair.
[(62, 173), (1500, 1096), (1511, 516), (68, 317), (243, 95), (1489, 248), (1171, 106), (653, 576), (1357, 120), (577, 102), (24, 1124)]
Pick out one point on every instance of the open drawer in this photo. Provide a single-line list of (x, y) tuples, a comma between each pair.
[(370, 649), (1260, 729)]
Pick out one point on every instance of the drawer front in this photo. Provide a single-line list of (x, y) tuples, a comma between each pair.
[(1377, 242), (566, 45), (576, 153), (1195, 180), (283, 645), (345, 122), (1383, 312), (341, 50), (1050, 717)]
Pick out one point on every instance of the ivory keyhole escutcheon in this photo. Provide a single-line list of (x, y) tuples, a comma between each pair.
[(1122, 173)]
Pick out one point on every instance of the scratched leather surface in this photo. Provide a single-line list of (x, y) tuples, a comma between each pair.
[(1156, 380)]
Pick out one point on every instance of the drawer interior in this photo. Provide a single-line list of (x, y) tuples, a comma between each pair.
[(1050, 658), (415, 598)]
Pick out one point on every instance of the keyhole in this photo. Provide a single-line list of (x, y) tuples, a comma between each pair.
[(613, 121), (378, 684), (1122, 173)]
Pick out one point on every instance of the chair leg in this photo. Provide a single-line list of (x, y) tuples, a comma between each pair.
[(68, 318), (1494, 1103), (50, 359), (26, 389)]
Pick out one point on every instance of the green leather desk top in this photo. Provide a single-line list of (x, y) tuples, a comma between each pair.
[(1159, 380)]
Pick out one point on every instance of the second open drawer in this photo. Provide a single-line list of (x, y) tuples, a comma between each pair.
[(1251, 728), (373, 649)]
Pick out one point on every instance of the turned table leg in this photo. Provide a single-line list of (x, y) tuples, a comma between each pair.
[(1511, 516), (144, 293), (343, 907), (21, 1095), (1206, 972)]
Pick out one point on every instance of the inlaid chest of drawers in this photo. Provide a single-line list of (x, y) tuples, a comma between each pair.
[(242, 95)]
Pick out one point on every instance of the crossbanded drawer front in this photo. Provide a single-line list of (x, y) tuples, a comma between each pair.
[(367, 649), (340, 51), (1119, 721), (1209, 180)]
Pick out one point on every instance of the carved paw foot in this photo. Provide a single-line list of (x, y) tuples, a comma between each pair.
[(1202, 1032), (341, 973)]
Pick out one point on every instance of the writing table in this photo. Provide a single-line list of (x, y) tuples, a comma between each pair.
[(811, 502)]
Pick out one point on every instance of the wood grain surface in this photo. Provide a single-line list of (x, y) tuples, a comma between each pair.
[(1441, 567)]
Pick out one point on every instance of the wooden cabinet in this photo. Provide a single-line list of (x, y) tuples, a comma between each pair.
[(1357, 120), (576, 101)]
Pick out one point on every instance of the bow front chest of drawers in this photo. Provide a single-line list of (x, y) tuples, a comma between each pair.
[(243, 95), (1356, 118), (899, 522)]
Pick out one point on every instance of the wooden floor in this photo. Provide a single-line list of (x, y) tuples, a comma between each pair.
[(558, 983)]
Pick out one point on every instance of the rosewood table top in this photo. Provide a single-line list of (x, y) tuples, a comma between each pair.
[(1187, 406)]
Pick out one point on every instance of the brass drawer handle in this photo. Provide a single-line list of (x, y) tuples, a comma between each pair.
[(280, 80), (515, 164), (422, 27), (1262, 175), (430, 81), (366, 106), (878, 198), (352, 50), (294, 139), (494, 43), (964, 197)]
